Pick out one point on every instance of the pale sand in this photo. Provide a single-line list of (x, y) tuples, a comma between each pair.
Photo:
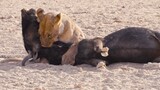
[(96, 18)]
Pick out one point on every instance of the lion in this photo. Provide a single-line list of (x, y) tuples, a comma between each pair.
[(59, 27)]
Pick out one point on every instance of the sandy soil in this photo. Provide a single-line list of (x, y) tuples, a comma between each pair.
[(96, 18)]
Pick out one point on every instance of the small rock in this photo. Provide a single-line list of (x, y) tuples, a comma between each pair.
[(77, 86)]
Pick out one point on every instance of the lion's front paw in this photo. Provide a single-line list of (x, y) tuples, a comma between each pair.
[(68, 59)]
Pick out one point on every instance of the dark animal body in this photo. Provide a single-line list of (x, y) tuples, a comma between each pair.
[(133, 44), (138, 45), (30, 34), (32, 41), (54, 54)]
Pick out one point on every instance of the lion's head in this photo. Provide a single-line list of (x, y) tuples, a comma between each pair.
[(49, 27)]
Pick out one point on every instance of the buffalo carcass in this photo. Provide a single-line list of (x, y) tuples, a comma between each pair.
[(30, 34), (132, 44), (54, 53)]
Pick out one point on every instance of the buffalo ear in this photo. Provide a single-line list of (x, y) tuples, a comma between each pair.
[(23, 12), (57, 19), (40, 14)]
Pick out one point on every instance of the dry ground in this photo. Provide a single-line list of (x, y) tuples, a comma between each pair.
[(96, 18)]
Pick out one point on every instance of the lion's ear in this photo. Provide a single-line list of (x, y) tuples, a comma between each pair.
[(57, 19), (40, 14)]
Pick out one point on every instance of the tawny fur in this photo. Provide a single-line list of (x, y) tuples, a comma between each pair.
[(59, 28)]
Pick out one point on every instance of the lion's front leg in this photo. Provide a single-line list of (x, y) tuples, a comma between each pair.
[(69, 56)]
